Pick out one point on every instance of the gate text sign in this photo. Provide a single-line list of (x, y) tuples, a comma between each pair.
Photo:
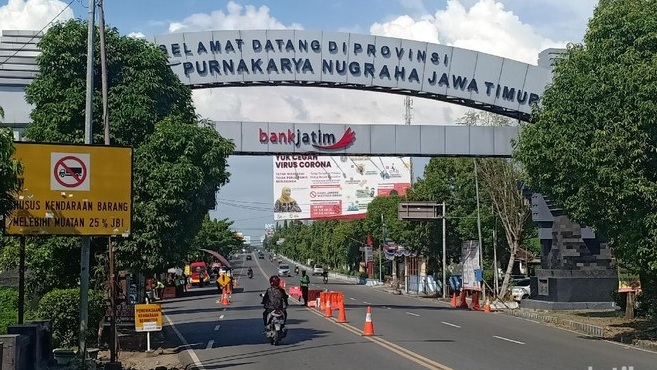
[(352, 60)]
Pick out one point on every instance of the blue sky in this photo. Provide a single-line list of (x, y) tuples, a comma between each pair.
[(517, 29)]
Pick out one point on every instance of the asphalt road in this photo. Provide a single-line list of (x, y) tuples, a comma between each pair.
[(411, 333)]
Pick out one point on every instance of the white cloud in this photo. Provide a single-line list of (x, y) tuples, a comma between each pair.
[(32, 14), (137, 35), (485, 26), (237, 17)]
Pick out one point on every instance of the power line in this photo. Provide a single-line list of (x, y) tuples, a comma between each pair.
[(36, 34)]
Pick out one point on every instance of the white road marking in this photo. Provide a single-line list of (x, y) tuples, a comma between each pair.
[(366, 302), (450, 324), (412, 314), (192, 354), (508, 340), (353, 299), (217, 327), (388, 308), (221, 317), (210, 344), (225, 309)]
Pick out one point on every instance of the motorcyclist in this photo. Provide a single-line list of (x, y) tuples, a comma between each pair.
[(296, 269), (325, 276), (249, 272), (275, 298)]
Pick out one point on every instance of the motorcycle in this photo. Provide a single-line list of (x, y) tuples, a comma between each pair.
[(250, 274), (275, 330)]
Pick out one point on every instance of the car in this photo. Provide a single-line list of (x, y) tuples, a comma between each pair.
[(261, 255), (284, 270), (249, 257), (521, 289), (318, 270)]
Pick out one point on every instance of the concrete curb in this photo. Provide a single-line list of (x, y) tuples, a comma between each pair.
[(592, 330), (588, 329)]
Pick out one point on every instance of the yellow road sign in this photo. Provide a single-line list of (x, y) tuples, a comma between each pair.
[(73, 190), (148, 317), (223, 279)]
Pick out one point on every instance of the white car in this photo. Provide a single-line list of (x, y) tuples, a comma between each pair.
[(284, 270), (318, 270), (521, 289)]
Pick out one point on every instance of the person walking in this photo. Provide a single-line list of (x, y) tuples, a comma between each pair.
[(305, 282)]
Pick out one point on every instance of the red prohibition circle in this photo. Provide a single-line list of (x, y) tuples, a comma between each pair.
[(79, 179), (336, 209)]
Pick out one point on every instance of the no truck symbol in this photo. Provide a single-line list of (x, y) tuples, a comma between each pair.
[(70, 171)]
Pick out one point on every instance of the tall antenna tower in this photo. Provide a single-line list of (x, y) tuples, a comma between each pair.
[(408, 116), (408, 108)]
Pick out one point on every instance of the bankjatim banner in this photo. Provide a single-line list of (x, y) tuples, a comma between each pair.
[(324, 187)]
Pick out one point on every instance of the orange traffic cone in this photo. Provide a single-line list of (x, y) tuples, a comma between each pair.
[(487, 306), (224, 299), (328, 312), (342, 315), (454, 301), (235, 283), (368, 330)]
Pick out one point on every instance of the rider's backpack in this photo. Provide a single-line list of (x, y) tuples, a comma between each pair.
[(275, 296)]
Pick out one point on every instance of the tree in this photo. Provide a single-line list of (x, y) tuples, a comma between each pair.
[(216, 235), (592, 145), (179, 161), (500, 180), (10, 171)]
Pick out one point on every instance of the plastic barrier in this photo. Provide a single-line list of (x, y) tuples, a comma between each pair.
[(295, 291), (313, 295), (334, 297)]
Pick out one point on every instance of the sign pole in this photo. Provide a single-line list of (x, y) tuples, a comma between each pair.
[(148, 341), (21, 281), (86, 241)]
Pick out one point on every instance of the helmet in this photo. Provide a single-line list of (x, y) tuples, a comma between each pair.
[(274, 281)]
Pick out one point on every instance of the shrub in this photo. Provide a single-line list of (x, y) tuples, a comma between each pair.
[(61, 306), (8, 308), (363, 275)]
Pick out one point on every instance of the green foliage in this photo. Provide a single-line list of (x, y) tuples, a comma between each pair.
[(593, 144), (8, 308), (10, 171), (142, 88), (215, 235), (60, 306), (174, 190), (180, 161)]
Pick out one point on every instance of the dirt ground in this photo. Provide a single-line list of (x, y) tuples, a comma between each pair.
[(141, 360), (133, 356), (617, 327)]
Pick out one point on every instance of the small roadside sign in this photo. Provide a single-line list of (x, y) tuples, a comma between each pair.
[(223, 279), (148, 317)]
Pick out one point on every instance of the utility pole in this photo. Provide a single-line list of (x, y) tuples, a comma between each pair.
[(110, 247), (481, 244), (85, 249), (496, 275), (444, 250), (383, 230)]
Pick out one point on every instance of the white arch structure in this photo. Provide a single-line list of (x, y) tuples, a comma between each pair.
[(231, 58)]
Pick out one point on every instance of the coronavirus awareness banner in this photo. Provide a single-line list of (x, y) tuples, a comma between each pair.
[(324, 187)]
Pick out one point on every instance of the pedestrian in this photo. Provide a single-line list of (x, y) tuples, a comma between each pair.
[(305, 282)]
